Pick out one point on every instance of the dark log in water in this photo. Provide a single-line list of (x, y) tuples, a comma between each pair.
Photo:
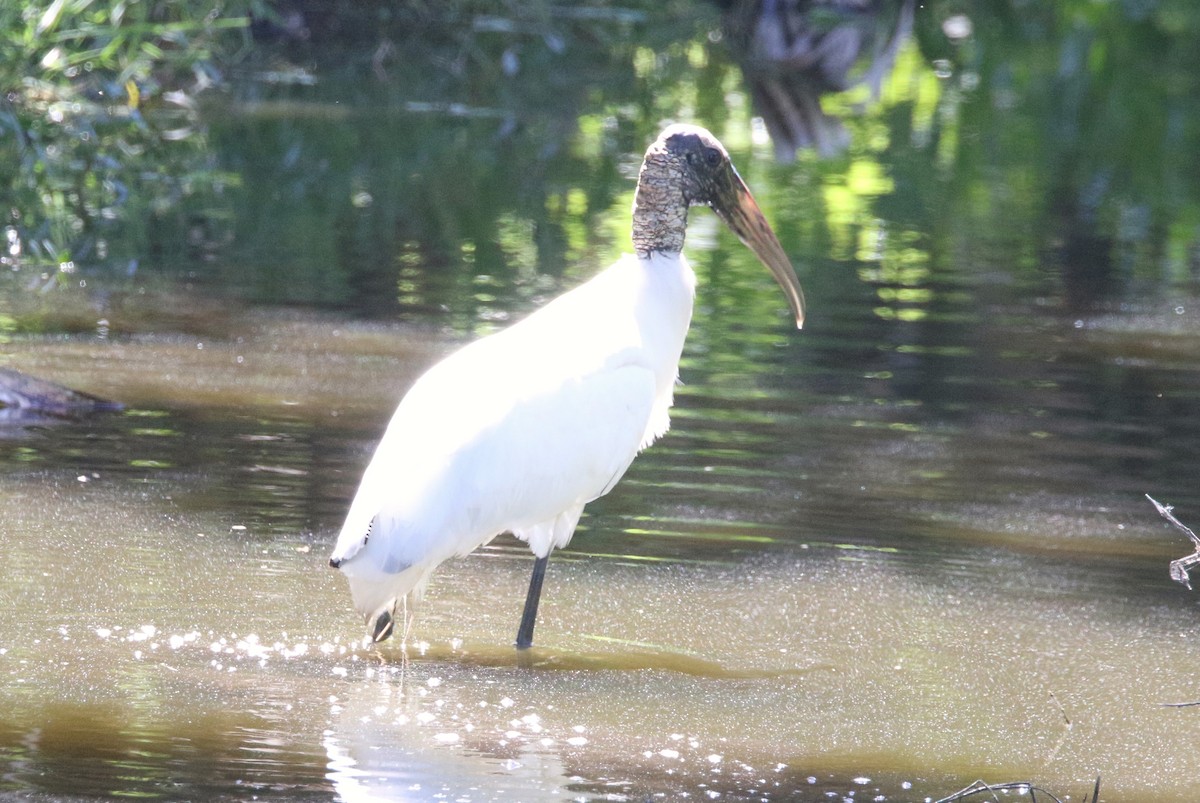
[(23, 397)]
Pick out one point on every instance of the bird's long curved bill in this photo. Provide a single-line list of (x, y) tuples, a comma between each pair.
[(737, 207)]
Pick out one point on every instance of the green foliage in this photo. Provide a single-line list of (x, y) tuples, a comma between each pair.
[(469, 154), (98, 127)]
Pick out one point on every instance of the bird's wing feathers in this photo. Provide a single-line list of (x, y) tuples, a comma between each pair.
[(483, 444), (557, 450)]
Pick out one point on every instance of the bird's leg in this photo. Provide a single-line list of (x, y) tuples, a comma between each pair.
[(409, 615), (529, 618)]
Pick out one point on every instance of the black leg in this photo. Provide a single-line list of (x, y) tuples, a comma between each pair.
[(529, 618)]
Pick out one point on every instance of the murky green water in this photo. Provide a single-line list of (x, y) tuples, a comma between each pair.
[(903, 549)]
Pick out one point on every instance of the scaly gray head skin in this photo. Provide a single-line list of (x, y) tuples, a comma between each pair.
[(687, 166)]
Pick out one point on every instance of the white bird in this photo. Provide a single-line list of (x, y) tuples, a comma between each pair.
[(517, 431)]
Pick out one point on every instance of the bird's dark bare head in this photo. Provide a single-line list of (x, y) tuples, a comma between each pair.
[(688, 166), (706, 174)]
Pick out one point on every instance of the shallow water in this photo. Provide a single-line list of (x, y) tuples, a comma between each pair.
[(903, 549), (799, 592)]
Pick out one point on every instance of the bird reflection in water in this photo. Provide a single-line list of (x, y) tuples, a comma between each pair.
[(794, 51)]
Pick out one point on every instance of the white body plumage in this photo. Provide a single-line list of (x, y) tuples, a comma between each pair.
[(519, 430)]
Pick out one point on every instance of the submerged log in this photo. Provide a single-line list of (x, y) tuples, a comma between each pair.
[(22, 395)]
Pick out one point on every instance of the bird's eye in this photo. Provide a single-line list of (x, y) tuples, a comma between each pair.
[(712, 156)]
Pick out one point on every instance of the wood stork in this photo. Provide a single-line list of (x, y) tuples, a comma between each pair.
[(517, 431)]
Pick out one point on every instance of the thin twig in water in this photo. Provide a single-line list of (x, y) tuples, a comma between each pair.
[(1020, 787), (1062, 739), (1179, 568)]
